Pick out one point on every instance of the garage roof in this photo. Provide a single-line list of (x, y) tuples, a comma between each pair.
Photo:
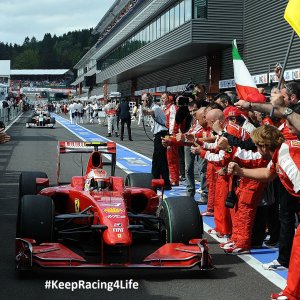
[(39, 72)]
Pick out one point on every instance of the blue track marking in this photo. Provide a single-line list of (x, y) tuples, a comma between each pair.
[(130, 162)]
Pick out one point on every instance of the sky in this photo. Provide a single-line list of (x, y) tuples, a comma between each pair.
[(22, 18)]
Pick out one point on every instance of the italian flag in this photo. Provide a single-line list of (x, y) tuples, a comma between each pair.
[(244, 83)]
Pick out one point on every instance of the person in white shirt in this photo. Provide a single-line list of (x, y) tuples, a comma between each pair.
[(158, 127), (89, 113), (71, 110), (95, 112), (80, 112), (111, 112)]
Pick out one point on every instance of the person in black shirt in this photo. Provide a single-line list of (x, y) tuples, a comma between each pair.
[(125, 117)]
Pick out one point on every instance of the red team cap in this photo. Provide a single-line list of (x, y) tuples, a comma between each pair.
[(232, 111)]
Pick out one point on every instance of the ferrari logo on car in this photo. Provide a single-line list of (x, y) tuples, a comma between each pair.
[(77, 205), (113, 210)]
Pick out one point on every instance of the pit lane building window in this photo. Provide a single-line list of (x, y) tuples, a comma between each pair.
[(175, 16)]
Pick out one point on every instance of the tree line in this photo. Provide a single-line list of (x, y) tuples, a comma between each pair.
[(53, 52)]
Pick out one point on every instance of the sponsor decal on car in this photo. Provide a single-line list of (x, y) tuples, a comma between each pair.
[(113, 210), (119, 235), (112, 199), (110, 204), (116, 217), (118, 229), (118, 225), (77, 205)]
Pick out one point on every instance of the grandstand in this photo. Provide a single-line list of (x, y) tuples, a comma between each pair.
[(44, 83)]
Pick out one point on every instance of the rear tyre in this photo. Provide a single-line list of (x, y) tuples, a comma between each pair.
[(181, 220), (36, 218), (142, 180), (27, 183)]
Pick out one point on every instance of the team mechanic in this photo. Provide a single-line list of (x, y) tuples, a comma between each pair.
[(111, 112), (285, 163), (160, 130), (249, 191), (223, 216), (170, 110)]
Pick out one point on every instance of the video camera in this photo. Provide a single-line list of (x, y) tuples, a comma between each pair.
[(187, 93)]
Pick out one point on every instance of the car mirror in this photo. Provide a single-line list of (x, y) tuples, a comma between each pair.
[(42, 181)]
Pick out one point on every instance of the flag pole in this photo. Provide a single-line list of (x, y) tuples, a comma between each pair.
[(286, 59)]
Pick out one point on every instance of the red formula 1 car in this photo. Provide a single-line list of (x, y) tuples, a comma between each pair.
[(98, 221)]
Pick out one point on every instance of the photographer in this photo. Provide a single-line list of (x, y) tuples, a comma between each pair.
[(159, 129)]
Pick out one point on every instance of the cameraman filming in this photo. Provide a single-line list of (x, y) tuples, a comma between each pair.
[(159, 130)]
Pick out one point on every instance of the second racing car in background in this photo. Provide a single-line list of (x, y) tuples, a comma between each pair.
[(41, 118)]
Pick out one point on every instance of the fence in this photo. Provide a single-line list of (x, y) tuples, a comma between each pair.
[(8, 114)]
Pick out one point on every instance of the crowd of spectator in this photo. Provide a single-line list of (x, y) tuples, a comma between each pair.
[(44, 83), (117, 19)]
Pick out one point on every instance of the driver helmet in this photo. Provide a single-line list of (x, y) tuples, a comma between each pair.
[(96, 180)]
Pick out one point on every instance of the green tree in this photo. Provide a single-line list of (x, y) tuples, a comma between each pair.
[(28, 59)]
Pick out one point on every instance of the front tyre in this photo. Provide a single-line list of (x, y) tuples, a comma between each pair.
[(36, 218), (181, 220)]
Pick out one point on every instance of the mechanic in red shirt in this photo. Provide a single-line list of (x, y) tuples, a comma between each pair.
[(170, 110), (183, 139), (222, 215), (286, 164)]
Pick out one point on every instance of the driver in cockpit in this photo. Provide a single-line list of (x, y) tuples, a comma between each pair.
[(96, 180)]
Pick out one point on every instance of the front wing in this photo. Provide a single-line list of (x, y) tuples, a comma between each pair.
[(50, 125), (56, 255)]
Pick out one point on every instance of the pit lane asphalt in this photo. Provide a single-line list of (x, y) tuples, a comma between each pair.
[(35, 150)]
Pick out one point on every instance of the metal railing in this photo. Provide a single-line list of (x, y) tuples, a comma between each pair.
[(8, 114)]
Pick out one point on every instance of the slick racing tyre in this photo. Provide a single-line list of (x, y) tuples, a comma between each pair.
[(181, 220), (27, 183), (36, 218), (142, 180)]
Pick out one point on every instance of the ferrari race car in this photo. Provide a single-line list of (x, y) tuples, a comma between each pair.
[(100, 221), (41, 118)]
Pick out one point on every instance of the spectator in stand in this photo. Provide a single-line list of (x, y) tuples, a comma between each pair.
[(125, 117)]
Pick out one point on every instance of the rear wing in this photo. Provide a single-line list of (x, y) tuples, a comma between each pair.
[(87, 147)]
